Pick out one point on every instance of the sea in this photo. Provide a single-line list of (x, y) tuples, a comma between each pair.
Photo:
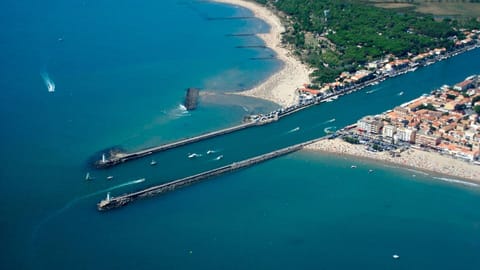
[(79, 77)]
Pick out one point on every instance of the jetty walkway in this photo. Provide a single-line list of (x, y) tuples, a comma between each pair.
[(115, 202), (117, 158)]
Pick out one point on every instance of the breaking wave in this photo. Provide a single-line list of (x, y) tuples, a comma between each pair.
[(457, 181)]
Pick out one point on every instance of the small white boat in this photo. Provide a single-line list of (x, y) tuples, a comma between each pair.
[(353, 166), (194, 155), (87, 177), (395, 256), (400, 94), (110, 177), (153, 163), (295, 129), (219, 157), (370, 171), (210, 152)]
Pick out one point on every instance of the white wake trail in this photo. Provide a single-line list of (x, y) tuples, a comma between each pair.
[(72, 202), (48, 82)]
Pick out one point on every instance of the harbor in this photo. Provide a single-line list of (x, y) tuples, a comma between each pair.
[(115, 157), (116, 202)]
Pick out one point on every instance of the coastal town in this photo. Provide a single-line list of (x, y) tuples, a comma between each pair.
[(438, 132), (445, 121), (390, 66), (372, 73)]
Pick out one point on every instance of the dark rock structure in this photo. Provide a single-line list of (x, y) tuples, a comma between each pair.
[(191, 99)]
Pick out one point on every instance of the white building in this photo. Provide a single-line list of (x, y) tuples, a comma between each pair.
[(388, 131), (406, 134), (370, 125)]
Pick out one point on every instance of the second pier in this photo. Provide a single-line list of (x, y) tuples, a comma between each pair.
[(115, 202)]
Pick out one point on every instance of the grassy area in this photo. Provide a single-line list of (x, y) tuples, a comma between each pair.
[(442, 8)]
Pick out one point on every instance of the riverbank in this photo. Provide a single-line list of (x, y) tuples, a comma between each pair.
[(279, 87), (412, 158)]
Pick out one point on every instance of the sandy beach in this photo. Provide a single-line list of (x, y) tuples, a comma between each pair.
[(280, 87), (412, 158)]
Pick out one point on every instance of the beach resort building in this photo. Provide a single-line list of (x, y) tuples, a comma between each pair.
[(369, 124), (388, 131), (426, 140), (406, 134)]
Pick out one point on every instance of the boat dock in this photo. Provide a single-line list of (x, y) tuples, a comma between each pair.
[(115, 202)]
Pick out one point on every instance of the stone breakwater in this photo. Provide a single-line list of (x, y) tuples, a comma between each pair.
[(411, 158)]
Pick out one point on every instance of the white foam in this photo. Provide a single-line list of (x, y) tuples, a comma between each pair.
[(182, 108), (419, 172), (457, 181), (179, 111)]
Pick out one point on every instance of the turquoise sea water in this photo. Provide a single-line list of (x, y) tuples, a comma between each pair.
[(121, 69)]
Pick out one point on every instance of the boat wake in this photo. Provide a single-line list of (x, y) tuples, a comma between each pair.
[(457, 181), (74, 201), (48, 82), (294, 130), (373, 91), (329, 121), (210, 151), (194, 155), (329, 130)]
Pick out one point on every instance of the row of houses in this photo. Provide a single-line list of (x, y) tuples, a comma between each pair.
[(390, 65), (445, 121)]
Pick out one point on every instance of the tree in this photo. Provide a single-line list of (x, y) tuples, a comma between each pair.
[(477, 109)]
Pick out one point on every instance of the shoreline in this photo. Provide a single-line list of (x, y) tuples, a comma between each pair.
[(278, 87), (427, 162)]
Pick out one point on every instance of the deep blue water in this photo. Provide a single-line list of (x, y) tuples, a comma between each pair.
[(121, 69)]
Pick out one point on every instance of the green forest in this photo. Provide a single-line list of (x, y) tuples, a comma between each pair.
[(341, 35)]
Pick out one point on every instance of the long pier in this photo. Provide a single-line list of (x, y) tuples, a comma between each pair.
[(115, 202), (117, 158)]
